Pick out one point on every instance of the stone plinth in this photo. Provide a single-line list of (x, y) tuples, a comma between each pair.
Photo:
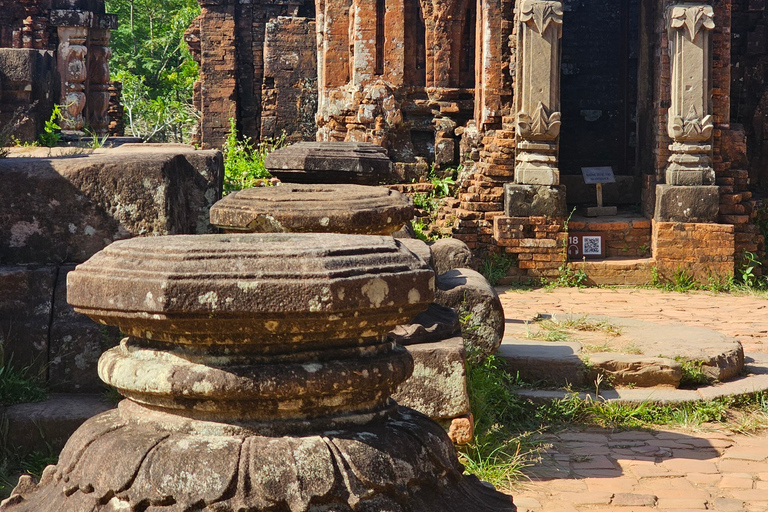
[(257, 373), (297, 208), (361, 163)]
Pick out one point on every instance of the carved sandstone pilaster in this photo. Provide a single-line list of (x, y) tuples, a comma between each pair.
[(97, 108), (690, 114), (73, 71), (538, 92)]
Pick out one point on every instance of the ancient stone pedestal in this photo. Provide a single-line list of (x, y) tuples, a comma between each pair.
[(362, 163), (690, 121), (257, 373), (298, 208), (439, 387)]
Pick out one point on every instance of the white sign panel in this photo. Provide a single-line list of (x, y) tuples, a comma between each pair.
[(594, 175)]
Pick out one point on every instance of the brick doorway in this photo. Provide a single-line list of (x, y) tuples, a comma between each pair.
[(599, 94)]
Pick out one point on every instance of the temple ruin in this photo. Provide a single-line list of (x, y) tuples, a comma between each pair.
[(56, 51), (671, 95)]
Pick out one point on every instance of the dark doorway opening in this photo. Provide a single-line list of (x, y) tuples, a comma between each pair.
[(599, 87)]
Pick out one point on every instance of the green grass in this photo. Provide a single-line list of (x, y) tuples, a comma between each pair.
[(507, 428), (550, 329), (19, 384)]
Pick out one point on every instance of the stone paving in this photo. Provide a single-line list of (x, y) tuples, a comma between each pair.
[(639, 470)]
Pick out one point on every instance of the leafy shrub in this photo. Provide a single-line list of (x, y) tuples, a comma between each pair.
[(244, 161)]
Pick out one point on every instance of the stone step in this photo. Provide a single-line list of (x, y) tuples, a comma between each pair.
[(46, 426), (617, 271), (642, 354)]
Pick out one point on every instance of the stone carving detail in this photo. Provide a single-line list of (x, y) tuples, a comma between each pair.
[(73, 71), (257, 371), (98, 80), (541, 14), (690, 122), (541, 126), (537, 92)]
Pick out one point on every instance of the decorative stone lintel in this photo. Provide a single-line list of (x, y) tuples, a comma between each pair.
[(538, 92), (690, 121)]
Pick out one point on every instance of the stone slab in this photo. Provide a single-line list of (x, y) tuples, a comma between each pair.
[(477, 305), (26, 304), (534, 200), (553, 362), (438, 386), (361, 163), (75, 344), (631, 369), (450, 253), (38, 426), (601, 211), (687, 203), (304, 208), (66, 209)]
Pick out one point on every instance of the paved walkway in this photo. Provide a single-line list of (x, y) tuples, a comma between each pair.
[(743, 317), (601, 470)]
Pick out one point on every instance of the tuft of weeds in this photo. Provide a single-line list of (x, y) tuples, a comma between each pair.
[(503, 445), (18, 384), (244, 161), (551, 329), (495, 266), (693, 375)]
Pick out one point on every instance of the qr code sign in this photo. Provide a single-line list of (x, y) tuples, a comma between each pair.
[(591, 246)]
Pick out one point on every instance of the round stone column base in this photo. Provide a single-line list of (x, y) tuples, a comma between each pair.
[(114, 462)]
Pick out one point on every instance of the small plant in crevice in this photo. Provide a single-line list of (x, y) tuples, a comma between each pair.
[(495, 266), (748, 273), (693, 375), (244, 161), (51, 135)]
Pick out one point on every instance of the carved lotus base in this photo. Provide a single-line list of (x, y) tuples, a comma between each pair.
[(123, 461)]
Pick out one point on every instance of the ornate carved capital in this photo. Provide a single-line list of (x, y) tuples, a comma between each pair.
[(541, 125), (692, 18), (691, 128), (542, 13)]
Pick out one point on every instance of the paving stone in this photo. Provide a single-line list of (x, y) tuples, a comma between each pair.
[(585, 437), (742, 466), (761, 485), (690, 466), (678, 504), (746, 454), (620, 484), (654, 471), (526, 504), (559, 506), (736, 482), (749, 495), (586, 498), (624, 499), (567, 485), (704, 478), (668, 491), (728, 505)]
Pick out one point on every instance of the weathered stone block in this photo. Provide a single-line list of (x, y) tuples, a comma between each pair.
[(76, 342), (438, 386), (534, 201), (686, 204), (362, 163), (26, 301), (475, 300), (450, 253), (632, 369), (66, 209)]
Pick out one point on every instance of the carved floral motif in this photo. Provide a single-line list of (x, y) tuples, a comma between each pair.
[(693, 18), (692, 128), (539, 126), (541, 13)]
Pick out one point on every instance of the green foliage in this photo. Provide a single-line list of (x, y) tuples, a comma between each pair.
[(18, 384), (502, 447), (567, 278), (550, 329), (244, 161), (495, 266), (151, 59), (748, 272), (51, 136), (693, 375)]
